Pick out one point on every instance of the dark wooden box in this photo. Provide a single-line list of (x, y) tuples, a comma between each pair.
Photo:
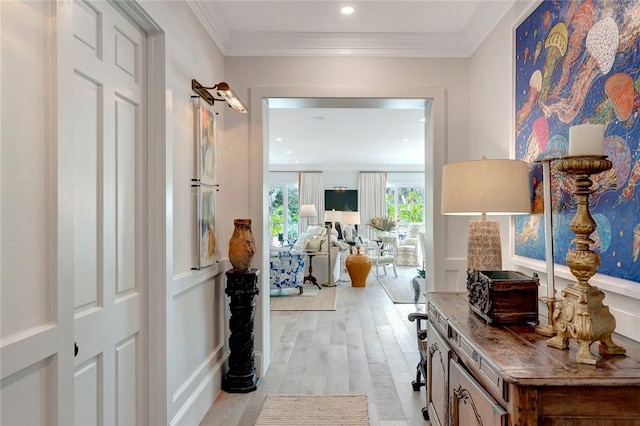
[(503, 297)]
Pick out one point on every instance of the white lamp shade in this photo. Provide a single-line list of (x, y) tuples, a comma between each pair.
[(308, 210), (486, 186), (332, 216), (350, 218)]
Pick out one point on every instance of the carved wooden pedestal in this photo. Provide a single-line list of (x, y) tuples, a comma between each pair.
[(241, 374)]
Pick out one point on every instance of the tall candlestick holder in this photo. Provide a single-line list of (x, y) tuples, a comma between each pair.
[(581, 315)]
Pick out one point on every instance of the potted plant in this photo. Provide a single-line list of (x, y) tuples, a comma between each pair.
[(383, 225)]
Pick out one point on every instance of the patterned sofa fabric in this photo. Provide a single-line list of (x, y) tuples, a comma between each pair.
[(286, 269)]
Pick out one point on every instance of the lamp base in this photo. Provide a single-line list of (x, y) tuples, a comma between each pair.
[(484, 250)]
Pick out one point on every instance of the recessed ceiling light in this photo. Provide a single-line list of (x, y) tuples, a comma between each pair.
[(289, 152), (422, 120), (405, 140), (347, 10), (278, 139)]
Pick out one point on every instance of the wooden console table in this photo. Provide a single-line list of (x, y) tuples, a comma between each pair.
[(480, 374)]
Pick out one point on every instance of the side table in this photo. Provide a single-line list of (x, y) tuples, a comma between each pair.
[(241, 374), (310, 277)]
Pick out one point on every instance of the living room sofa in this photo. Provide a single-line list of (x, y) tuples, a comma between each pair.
[(314, 241)]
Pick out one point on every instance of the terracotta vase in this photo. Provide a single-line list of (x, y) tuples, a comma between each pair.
[(242, 245), (358, 265)]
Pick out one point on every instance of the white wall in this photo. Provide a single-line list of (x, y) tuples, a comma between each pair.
[(196, 316), (490, 134)]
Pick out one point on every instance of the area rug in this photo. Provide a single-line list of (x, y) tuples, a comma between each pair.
[(314, 410), (312, 299), (400, 289)]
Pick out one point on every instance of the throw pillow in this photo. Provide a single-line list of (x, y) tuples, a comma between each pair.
[(313, 243), (301, 241), (316, 230)]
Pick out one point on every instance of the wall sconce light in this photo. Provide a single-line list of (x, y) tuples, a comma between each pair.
[(223, 90)]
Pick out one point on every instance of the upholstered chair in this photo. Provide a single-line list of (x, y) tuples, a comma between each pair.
[(408, 252), (286, 269)]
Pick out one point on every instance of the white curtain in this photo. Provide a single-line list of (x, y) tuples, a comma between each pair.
[(372, 199), (311, 191)]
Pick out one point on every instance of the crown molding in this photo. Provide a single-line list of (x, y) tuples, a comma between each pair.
[(484, 21), (449, 45), (216, 28), (346, 44)]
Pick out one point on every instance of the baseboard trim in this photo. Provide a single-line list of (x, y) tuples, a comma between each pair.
[(197, 405)]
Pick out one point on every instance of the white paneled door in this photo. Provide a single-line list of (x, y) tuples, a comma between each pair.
[(106, 216)]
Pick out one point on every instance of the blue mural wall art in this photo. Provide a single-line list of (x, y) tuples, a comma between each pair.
[(579, 62)]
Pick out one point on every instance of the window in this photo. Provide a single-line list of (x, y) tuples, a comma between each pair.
[(283, 215), (405, 204)]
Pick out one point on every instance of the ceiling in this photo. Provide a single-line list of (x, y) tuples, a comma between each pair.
[(331, 134)]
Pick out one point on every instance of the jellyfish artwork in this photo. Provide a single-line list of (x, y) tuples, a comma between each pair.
[(556, 46), (546, 19), (602, 43), (557, 147), (602, 235), (536, 53), (621, 93), (629, 189), (535, 83), (538, 139), (537, 206), (636, 242), (617, 149), (530, 230), (579, 28)]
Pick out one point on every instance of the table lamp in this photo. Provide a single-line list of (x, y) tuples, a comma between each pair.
[(481, 187), (351, 219), (333, 216)]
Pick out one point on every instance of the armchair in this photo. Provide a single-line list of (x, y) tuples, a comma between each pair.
[(385, 256), (407, 253), (286, 269)]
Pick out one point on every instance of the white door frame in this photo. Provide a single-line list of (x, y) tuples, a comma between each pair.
[(435, 135)]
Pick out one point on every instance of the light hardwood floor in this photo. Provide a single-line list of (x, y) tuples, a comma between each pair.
[(367, 346)]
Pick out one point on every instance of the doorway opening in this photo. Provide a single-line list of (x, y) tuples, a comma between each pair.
[(432, 102)]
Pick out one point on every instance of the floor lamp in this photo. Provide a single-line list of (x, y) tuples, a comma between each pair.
[(482, 187)]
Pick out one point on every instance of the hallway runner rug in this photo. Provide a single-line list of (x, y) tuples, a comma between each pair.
[(308, 410), (312, 299)]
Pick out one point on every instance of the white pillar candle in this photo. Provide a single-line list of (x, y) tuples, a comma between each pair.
[(586, 139)]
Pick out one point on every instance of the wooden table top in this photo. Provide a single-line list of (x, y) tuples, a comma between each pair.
[(524, 357)]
